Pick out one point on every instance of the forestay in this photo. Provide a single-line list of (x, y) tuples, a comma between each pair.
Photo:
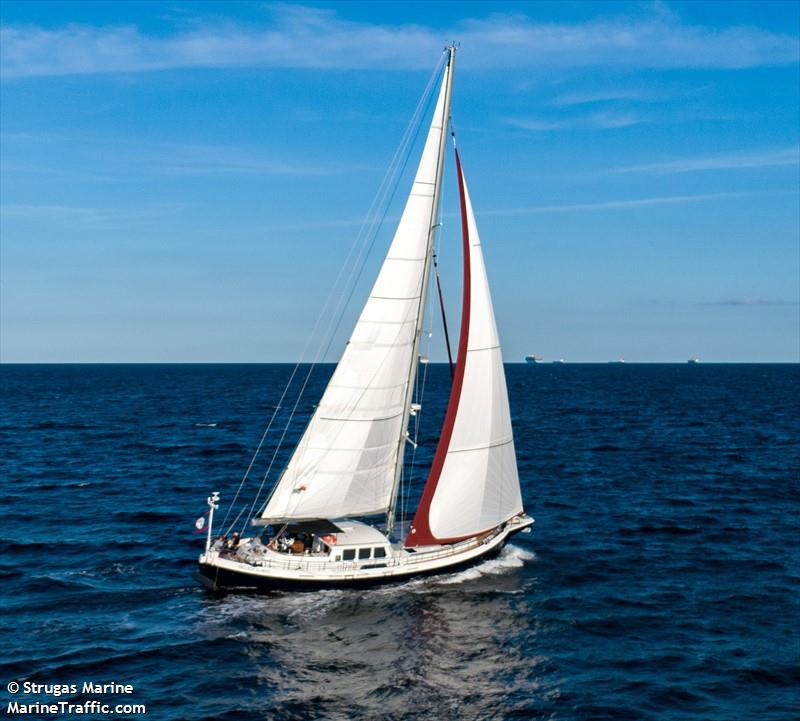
[(346, 461)]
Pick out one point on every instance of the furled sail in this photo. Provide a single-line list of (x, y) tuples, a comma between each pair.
[(347, 460), (473, 485)]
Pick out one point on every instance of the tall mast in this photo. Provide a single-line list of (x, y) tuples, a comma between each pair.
[(437, 191)]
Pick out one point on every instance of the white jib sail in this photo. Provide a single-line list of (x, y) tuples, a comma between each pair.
[(478, 487), (345, 462)]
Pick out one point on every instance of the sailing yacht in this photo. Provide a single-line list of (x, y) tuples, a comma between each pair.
[(346, 468)]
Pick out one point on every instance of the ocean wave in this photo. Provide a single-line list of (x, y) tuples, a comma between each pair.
[(663, 581)]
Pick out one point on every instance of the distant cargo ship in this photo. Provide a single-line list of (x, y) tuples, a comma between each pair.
[(559, 361), (693, 360), (534, 359)]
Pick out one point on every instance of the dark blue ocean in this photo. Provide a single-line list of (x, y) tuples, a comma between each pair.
[(662, 579)]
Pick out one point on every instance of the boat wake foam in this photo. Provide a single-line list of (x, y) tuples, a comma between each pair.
[(510, 557)]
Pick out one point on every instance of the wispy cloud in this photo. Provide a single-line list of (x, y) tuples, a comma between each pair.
[(89, 215), (301, 37), (159, 158), (322, 224), (45, 170), (603, 120), (749, 159), (614, 204), (605, 96), (194, 159), (543, 209), (60, 212)]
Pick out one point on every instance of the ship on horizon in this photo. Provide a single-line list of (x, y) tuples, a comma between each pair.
[(534, 358)]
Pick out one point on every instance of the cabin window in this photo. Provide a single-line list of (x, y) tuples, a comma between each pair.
[(363, 553), (349, 554), (379, 552)]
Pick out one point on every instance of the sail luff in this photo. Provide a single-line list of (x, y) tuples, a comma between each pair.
[(433, 225), (420, 533)]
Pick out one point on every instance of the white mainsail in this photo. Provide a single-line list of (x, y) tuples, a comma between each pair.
[(347, 461), (474, 483)]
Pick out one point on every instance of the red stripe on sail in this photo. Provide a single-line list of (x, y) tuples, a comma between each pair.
[(420, 533)]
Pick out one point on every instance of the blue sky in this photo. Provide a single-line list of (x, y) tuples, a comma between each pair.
[(181, 181)]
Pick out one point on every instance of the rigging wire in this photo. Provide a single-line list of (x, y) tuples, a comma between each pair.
[(444, 317), (364, 241), (410, 139)]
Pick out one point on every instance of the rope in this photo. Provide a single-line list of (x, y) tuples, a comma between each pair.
[(444, 316)]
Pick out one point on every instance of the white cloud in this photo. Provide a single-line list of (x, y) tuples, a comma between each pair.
[(194, 159), (532, 210), (614, 204), (750, 159), (68, 214), (603, 120), (302, 37), (162, 158), (605, 96), (541, 209)]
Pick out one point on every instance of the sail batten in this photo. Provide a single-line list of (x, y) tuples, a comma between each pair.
[(483, 446), (347, 461)]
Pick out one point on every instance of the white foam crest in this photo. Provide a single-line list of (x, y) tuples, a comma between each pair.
[(510, 557), (521, 553)]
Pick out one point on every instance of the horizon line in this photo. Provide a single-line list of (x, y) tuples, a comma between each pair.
[(610, 361)]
